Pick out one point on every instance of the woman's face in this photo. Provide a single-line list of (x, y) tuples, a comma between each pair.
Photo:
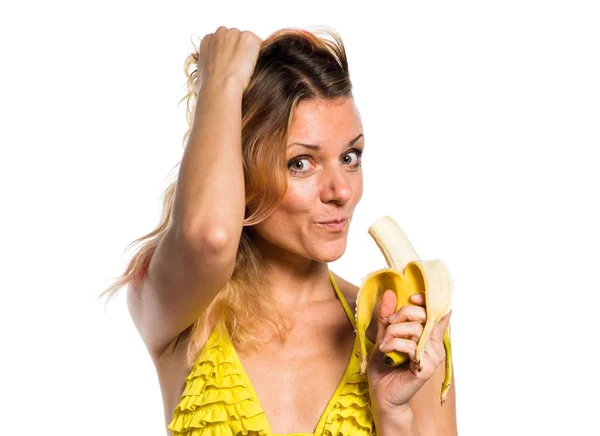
[(324, 181)]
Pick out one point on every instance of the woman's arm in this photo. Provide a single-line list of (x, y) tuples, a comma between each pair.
[(425, 416), (401, 423), (196, 256), (431, 417)]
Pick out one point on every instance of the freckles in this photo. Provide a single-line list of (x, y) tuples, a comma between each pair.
[(299, 196), (359, 191)]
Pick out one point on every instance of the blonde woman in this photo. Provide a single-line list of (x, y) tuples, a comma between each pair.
[(249, 330)]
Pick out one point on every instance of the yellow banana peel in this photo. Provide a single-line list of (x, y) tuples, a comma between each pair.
[(406, 275)]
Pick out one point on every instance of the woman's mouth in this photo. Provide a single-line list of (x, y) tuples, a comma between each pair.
[(334, 224)]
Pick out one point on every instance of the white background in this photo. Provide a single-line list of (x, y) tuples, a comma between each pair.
[(482, 132)]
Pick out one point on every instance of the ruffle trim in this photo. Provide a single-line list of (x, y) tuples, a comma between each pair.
[(216, 398), (351, 412), (246, 426)]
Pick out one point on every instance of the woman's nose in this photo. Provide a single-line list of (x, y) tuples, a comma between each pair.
[(336, 185)]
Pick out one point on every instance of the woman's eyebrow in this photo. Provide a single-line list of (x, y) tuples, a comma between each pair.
[(317, 147)]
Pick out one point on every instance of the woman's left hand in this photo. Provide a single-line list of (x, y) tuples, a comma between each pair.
[(392, 388)]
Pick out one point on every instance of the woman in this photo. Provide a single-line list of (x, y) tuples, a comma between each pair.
[(248, 329)]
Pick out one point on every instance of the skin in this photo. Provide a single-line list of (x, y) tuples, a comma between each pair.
[(330, 186), (297, 251)]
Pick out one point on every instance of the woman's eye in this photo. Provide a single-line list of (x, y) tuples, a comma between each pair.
[(301, 165), (348, 160), (298, 165)]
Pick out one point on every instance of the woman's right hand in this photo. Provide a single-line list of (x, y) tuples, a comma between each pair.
[(228, 54)]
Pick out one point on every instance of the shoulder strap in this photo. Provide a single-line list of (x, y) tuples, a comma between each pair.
[(343, 300)]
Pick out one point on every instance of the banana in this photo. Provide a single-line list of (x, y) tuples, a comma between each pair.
[(406, 275)]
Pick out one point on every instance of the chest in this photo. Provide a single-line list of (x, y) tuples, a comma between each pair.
[(295, 381)]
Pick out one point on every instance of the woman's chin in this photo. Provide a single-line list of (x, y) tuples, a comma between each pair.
[(332, 253), (332, 258)]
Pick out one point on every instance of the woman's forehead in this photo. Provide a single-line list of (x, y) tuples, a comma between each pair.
[(324, 123)]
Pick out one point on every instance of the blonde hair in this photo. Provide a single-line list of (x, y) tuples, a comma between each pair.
[(293, 65)]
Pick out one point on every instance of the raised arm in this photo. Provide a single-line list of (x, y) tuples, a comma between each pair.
[(196, 256)]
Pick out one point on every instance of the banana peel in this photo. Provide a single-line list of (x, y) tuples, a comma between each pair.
[(406, 275)]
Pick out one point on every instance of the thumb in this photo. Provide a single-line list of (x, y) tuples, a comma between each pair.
[(386, 309), (440, 329)]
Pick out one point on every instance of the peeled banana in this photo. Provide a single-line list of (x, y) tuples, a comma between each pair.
[(406, 275)]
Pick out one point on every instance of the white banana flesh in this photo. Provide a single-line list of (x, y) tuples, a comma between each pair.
[(406, 275)]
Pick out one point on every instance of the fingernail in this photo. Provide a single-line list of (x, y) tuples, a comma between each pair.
[(391, 318), (383, 344)]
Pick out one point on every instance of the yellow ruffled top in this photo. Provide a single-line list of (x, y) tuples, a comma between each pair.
[(219, 399)]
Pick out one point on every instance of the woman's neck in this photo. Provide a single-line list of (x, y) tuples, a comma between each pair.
[(295, 280)]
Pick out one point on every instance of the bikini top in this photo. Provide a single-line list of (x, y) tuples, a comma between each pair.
[(219, 400)]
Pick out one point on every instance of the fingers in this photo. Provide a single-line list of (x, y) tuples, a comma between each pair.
[(388, 305), (386, 310), (249, 34), (418, 299), (227, 53), (401, 345), (408, 321), (440, 328), (408, 330), (409, 313)]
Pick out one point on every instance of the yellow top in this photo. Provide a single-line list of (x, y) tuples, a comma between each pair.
[(219, 399)]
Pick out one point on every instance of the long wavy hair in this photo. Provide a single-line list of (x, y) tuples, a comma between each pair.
[(293, 65)]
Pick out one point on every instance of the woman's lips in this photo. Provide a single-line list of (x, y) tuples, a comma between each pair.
[(333, 225)]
